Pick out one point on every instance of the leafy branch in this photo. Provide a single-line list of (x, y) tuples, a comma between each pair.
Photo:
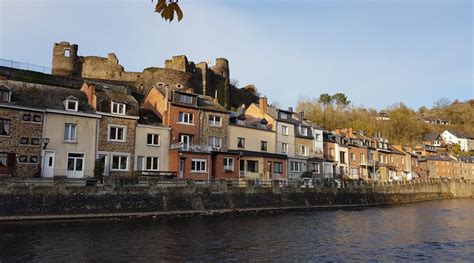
[(168, 8)]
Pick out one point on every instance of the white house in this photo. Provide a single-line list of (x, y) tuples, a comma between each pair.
[(465, 141)]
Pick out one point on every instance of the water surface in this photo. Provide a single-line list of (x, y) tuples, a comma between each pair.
[(432, 231)]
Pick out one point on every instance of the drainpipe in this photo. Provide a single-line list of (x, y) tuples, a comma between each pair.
[(41, 145)]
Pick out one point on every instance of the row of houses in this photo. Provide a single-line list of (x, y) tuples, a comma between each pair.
[(105, 130)]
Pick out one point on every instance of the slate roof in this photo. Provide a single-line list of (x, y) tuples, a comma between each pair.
[(461, 134), (431, 136), (149, 117), (44, 97)]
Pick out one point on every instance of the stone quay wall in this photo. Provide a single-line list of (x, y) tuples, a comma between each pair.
[(64, 200)]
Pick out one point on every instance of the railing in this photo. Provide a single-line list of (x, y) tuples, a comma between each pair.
[(25, 66), (194, 148), (166, 175)]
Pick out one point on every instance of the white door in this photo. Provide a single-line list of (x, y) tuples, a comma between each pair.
[(181, 168), (75, 165), (48, 164)]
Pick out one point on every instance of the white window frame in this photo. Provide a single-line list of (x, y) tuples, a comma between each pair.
[(189, 137), (227, 165), (317, 137), (120, 162), (213, 121), (353, 156), (67, 127), (154, 142), (8, 94), (284, 130), (186, 115), (121, 108), (200, 162), (153, 161), (304, 150), (76, 104), (316, 165), (75, 161), (305, 133), (299, 167), (211, 141), (284, 147), (109, 130), (185, 99)]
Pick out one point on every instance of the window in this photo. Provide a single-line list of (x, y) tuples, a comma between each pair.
[(362, 157), (117, 133), (3, 159), (5, 127), (284, 130), (198, 165), (70, 132), (24, 140), (153, 139), (67, 53), (342, 157), (185, 118), (381, 158), (278, 167), (263, 146), (228, 164), (391, 159), (304, 131), (284, 147), (26, 117), (314, 167), (317, 137), (152, 163), (304, 150), (296, 166), (353, 156), (35, 141), (120, 162), (241, 142), (117, 108), (215, 121), (37, 118), (252, 166), (185, 99), (71, 104), (33, 159), (186, 140), (23, 159), (214, 141), (331, 152), (283, 115), (403, 160), (4, 96), (75, 162)]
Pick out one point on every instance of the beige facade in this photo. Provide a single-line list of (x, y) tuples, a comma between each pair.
[(73, 144), (152, 144), (253, 139)]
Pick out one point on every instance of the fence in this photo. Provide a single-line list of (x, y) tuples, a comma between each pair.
[(25, 66)]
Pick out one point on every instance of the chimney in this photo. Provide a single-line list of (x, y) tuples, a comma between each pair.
[(301, 116), (263, 104), (290, 109), (89, 90)]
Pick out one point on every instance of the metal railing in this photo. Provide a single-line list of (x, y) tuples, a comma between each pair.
[(194, 148), (25, 66)]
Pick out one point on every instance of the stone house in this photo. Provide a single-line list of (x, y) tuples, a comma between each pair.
[(254, 142), (116, 136), (21, 130), (152, 143)]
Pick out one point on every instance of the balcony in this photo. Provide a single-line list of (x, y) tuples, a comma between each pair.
[(367, 163), (194, 148)]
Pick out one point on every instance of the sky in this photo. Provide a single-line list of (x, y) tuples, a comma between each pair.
[(377, 52)]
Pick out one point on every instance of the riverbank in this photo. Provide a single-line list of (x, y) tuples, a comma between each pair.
[(61, 200)]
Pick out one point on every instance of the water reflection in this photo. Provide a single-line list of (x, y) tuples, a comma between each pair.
[(438, 230)]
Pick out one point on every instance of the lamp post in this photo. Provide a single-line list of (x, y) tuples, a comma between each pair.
[(45, 143)]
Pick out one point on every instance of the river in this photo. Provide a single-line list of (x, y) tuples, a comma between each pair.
[(432, 231)]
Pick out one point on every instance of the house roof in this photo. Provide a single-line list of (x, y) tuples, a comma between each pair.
[(461, 134), (43, 96), (149, 117), (431, 136)]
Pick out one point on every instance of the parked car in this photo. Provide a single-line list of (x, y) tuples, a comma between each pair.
[(307, 183)]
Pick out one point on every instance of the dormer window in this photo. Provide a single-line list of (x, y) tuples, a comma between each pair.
[(303, 131), (283, 115), (185, 99), (5, 94), (71, 104), (117, 108)]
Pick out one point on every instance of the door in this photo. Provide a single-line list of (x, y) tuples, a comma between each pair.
[(48, 164), (75, 165), (104, 164), (181, 168)]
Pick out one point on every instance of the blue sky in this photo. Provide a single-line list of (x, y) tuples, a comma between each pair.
[(377, 52)]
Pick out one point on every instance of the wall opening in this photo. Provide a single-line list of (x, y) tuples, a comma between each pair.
[(67, 53)]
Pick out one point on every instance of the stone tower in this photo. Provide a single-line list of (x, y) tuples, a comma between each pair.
[(221, 68), (65, 60)]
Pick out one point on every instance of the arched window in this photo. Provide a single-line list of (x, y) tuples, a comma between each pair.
[(67, 53)]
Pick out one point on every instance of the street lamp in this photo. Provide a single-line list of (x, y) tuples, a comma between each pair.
[(45, 143)]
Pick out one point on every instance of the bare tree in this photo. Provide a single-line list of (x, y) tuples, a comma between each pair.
[(441, 103)]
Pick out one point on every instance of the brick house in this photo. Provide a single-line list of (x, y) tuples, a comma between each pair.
[(329, 151), (198, 133), (116, 136), (21, 131)]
